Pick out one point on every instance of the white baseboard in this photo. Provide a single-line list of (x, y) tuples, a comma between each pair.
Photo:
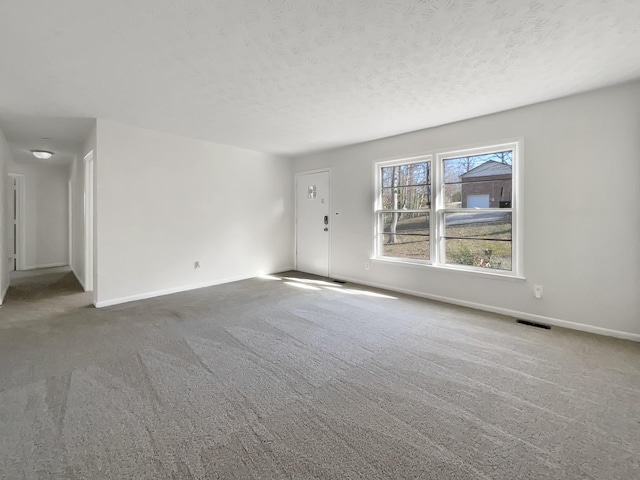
[(285, 269), (49, 265), (505, 311), (169, 291), (33, 271)]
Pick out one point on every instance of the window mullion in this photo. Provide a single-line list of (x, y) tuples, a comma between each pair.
[(438, 192)]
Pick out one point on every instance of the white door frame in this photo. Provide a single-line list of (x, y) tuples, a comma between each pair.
[(295, 236), (20, 208), (70, 224), (88, 220)]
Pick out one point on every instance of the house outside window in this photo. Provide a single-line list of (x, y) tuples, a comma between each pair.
[(458, 210), (487, 185)]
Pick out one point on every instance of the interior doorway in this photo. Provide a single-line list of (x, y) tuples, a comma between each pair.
[(313, 222)]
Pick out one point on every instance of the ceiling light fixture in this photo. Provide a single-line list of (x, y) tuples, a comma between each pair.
[(42, 154)]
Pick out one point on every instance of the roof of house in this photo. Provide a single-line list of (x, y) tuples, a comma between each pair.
[(488, 169)]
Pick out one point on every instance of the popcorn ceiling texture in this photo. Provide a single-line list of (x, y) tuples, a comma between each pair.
[(288, 76)]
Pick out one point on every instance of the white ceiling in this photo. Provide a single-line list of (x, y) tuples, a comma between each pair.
[(292, 76)]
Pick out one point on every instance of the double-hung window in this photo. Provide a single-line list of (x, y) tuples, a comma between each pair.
[(458, 210), (403, 216)]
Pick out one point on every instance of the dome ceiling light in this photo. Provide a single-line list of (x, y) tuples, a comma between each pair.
[(42, 154)]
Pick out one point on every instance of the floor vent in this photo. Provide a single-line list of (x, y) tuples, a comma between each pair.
[(339, 281), (534, 324)]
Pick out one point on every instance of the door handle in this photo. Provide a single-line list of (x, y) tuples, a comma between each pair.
[(326, 219)]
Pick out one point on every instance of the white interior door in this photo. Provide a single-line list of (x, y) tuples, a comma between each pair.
[(312, 223)]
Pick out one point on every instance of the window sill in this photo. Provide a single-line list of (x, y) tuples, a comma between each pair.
[(446, 268)]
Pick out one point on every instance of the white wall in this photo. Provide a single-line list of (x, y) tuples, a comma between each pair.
[(46, 214), (164, 202), (5, 158), (78, 192), (582, 194)]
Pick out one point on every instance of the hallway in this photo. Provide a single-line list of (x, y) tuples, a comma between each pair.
[(40, 294)]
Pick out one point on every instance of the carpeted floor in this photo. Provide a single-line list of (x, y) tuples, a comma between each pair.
[(300, 378)]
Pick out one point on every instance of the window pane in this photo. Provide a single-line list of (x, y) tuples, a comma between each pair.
[(478, 239), (477, 165), (411, 198), (407, 246), (480, 181), (478, 253), (485, 225), (406, 175), (492, 194), (405, 235)]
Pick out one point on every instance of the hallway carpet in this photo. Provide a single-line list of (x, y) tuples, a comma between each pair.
[(292, 376)]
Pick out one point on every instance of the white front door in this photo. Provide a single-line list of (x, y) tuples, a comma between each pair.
[(312, 223)]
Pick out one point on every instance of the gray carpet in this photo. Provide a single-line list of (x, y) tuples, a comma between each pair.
[(270, 378)]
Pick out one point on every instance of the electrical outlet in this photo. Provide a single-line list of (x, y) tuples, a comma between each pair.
[(537, 291), (366, 265), (196, 266)]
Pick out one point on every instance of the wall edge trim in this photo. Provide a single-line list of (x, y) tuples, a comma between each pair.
[(80, 281), (4, 294)]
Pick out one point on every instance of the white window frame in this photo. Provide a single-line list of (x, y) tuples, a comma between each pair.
[(437, 210)]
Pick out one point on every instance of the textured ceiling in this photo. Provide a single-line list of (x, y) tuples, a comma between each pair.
[(288, 76)]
